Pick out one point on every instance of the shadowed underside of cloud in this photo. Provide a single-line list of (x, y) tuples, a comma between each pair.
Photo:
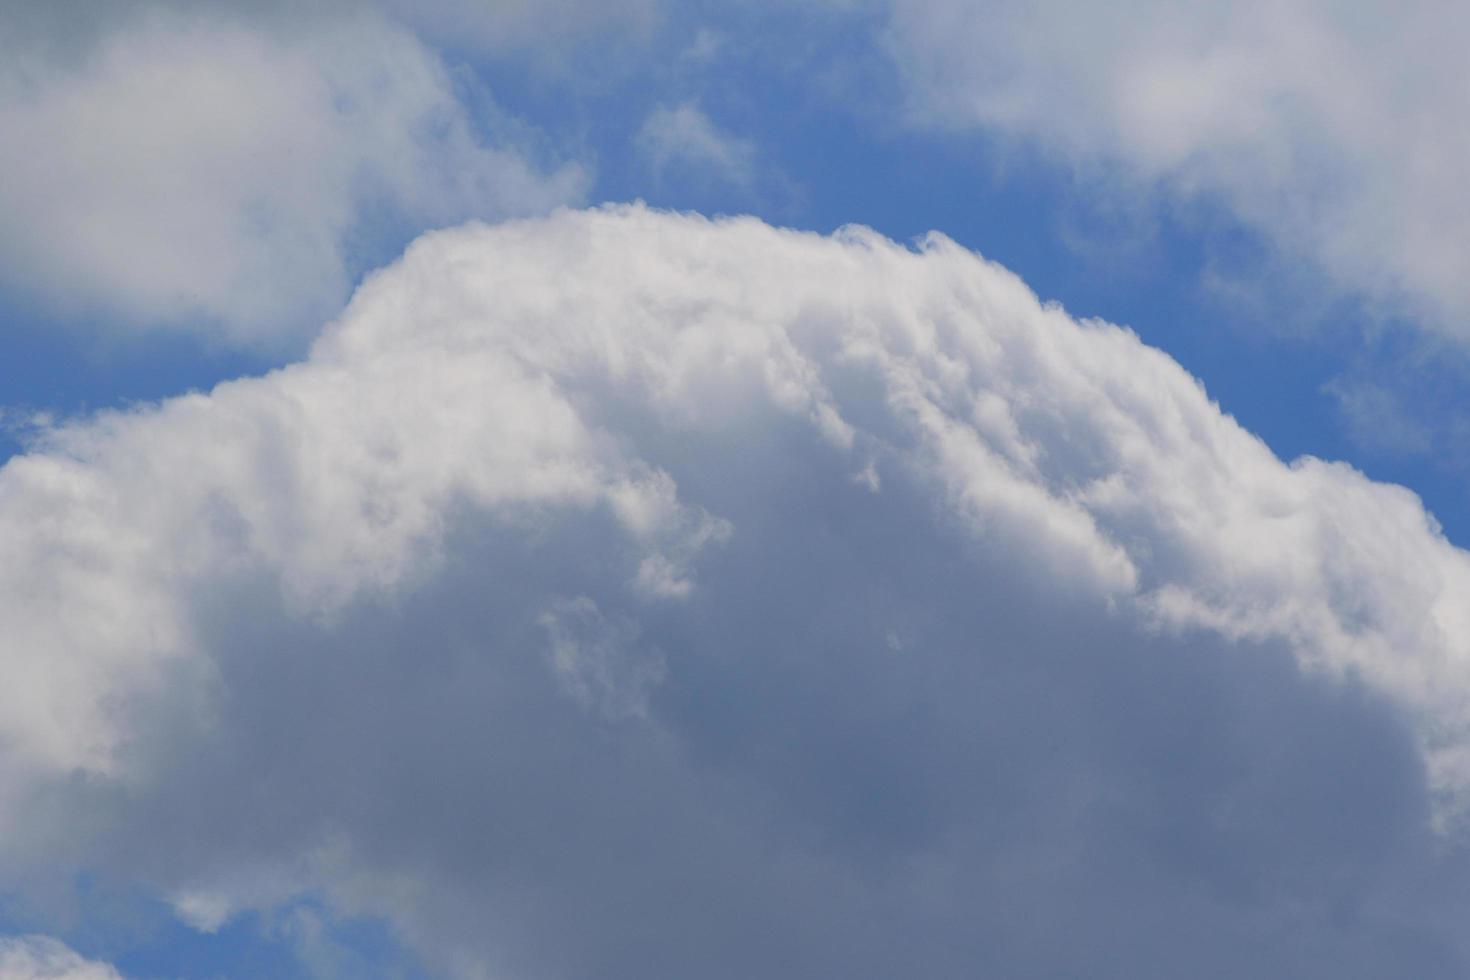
[(628, 594)]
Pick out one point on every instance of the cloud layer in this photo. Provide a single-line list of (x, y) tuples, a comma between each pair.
[(628, 594)]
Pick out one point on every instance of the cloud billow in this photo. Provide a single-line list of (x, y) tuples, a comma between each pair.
[(624, 593)]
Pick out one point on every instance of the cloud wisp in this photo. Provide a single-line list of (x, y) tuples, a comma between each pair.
[(627, 593), (684, 137), (1333, 128)]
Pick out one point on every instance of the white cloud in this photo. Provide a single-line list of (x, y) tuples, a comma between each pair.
[(1376, 420), (599, 662), (224, 173), (43, 958), (339, 629), (683, 137), (1334, 128)]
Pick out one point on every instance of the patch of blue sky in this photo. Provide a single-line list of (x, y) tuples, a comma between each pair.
[(297, 942), (57, 368), (135, 932)]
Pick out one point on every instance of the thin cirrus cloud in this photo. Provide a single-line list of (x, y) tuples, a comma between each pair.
[(229, 174), (1333, 128), (623, 593), (685, 139)]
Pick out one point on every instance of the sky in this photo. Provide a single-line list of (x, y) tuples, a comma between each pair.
[(802, 488)]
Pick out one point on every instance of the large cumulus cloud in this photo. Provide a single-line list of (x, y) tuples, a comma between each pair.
[(629, 594)]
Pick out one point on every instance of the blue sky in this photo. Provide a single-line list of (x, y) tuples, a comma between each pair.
[(637, 592)]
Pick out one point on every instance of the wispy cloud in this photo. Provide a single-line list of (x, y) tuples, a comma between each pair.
[(683, 138), (1334, 129)]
